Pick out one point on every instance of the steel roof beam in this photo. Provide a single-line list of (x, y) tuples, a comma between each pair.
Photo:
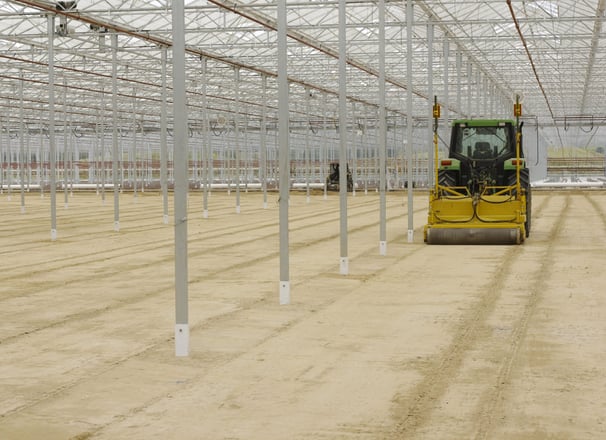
[(595, 41)]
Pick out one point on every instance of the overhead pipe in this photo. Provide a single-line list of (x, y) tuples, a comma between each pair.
[(534, 69)]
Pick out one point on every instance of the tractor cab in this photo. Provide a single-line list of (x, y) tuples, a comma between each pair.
[(483, 139), (483, 151)]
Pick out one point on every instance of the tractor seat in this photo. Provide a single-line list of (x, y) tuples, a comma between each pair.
[(482, 151)]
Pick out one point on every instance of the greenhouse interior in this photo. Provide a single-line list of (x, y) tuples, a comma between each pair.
[(302, 219), (93, 83)]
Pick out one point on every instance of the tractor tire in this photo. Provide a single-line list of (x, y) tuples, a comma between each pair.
[(524, 179), (528, 210), (524, 183), (446, 178)]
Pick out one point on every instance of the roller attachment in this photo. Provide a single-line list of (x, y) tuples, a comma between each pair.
[(473, 236)]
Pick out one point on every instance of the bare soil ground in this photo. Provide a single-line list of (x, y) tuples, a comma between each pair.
[(427, 342)]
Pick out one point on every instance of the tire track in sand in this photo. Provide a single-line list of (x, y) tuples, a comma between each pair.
[(413, 410), (489, 404)]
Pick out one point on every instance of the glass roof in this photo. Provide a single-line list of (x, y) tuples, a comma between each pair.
[(547, 52)]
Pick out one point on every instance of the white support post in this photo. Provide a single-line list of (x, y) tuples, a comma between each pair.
[(114, 134), (382, 135), (284, 153), (409, 121), (344, 269), (181, 181)]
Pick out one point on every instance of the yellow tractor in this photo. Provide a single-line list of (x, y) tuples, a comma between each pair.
[(482, 192)]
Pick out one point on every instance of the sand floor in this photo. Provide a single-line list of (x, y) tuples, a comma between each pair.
[(427, 342)]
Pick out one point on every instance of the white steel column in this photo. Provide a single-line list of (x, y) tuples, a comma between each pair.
[(237, 136), (65, 135), (99, 129), (469, 88), (42, 172), (284, 152), (51, 123), (324, 149), (207, 157), (344, 260), (354, 149), (74, 157), (446, 86), (10, 151), (2, 157), (430, 149), (181, 180), (21, 144), (409, 140), (134, 145), (263, 134), (114, 134), (100, 168), (382, 134), (485, 96), (163, 133), (307, 147), (10, 156), (458, 59), (366, 151), (480, 92)]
